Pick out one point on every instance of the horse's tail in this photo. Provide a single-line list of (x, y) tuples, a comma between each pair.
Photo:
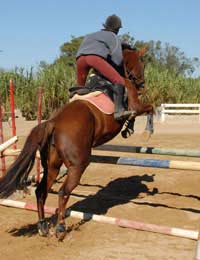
[(16, 176)]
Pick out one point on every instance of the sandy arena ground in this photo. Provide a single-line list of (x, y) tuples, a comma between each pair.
[(161, 196)]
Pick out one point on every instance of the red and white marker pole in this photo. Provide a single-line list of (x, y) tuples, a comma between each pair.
[(3, 161), (12, 109), (191, 234), (39, 118)]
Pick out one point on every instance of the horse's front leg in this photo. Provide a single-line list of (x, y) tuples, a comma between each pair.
[(149, 129), (129, 128), (150, 124), (70, 183)]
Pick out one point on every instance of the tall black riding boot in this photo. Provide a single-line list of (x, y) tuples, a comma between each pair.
[(118, 97)]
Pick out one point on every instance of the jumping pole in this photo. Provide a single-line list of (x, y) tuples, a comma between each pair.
[(11, 152), (191, 234), (167, 164), (149, 150), (8, 143)]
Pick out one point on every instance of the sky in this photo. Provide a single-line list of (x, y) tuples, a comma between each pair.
[(33, 31)]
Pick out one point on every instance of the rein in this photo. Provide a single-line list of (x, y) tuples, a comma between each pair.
[(131, 76)]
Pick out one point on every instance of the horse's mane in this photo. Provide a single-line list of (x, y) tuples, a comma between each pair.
[(126, 46)]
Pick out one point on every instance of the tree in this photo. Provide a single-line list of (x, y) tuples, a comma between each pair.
[(69, 50), (165, 56)]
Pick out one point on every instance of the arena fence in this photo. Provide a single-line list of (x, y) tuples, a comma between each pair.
[(179, 109)]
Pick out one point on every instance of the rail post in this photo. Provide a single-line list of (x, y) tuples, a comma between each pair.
[(12, 109), (162, 112)]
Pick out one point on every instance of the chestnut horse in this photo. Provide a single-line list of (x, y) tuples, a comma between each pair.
[(68, 138)]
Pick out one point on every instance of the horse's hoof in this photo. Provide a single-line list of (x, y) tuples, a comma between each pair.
[(124, 134), (60, 231), (146, 135), (43, 228)]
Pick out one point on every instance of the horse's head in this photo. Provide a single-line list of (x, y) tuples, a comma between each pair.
[(135, 85), (134, 67), (134, 78)]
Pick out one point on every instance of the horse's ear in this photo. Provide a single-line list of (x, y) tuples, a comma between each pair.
[(142, 51)]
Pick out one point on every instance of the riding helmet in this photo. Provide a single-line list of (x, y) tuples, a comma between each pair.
[(113, 23)]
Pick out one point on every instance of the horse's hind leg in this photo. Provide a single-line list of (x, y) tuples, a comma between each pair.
[(70, 183), (51, 171)]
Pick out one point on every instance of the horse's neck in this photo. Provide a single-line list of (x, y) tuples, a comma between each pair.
[(132, 91)]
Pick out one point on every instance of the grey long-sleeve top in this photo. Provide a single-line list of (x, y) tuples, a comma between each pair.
[(103, 43)]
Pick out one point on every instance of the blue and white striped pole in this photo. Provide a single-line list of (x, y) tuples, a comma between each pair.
[(167, 164)]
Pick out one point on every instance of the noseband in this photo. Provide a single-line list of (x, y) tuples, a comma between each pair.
[(138, 83)]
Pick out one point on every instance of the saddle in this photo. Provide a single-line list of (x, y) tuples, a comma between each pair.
[(96, 83), (98, 91)]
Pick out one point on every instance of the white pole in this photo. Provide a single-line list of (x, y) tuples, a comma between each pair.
[(8, 143)]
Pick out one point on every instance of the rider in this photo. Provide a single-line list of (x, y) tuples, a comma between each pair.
[(102, 51)]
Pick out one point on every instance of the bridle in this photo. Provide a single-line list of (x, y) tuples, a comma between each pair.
[(129, 74), (138, 83)]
